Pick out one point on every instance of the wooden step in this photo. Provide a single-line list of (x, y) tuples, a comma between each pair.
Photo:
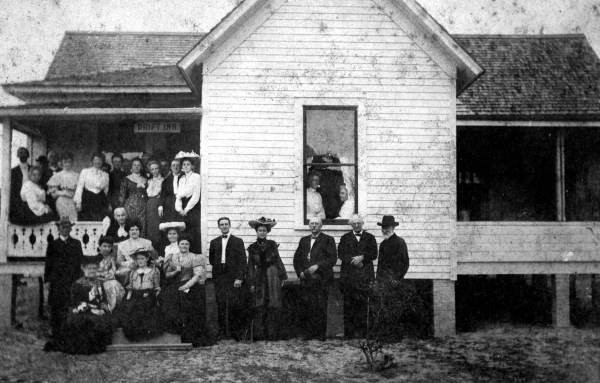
[(163, 342)]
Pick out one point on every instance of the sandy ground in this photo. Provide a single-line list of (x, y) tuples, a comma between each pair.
[(495, 355)]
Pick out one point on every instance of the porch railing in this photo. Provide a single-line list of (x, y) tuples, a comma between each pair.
[(26, 242)]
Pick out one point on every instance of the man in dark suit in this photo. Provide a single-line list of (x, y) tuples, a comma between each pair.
[(313, 261), (357, 251), (63, 267), (167, 194), (18, 175), (393, 255), (115, 177), (227, 255)]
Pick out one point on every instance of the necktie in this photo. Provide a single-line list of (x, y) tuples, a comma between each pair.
[(224, 236), (358, 234)]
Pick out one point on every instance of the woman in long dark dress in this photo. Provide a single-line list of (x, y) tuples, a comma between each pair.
[(133, 193), (188, 270), (187, 199), (87, 328), (266, 274), (91, 195), (152, 214), (139, 315)]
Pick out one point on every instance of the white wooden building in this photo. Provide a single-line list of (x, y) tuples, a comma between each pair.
[(247, 90)]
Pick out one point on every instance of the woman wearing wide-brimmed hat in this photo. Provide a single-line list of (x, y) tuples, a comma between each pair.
[(187, 198), (266, 274)]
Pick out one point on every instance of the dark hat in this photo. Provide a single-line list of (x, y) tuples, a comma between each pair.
[(262, 221), (388, 220), (106, 239), (90, 260), (141, 251), (64, 220), (42, 159)]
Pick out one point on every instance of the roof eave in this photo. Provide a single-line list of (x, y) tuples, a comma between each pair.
[(26, 90)]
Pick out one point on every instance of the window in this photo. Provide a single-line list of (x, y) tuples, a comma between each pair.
[(506, 174), (582, 174), (330, 163)]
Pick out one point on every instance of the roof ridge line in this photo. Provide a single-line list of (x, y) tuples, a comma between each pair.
[(520, 36), (141, 33)]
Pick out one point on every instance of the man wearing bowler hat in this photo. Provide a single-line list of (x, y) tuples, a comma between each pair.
[(393, 254), (63, 267)]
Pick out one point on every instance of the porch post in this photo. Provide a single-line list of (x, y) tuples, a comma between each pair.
[(6, 283), (561, 316), (444, 308), (560, 176)]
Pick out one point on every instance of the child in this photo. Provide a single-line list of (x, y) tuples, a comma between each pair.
[(106, 273), (140, 312), (171, 322), (87, 329)]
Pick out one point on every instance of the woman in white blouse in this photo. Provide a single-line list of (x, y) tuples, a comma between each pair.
[(91, 195), (62, 186), (187, 198), (314, 201), (127, 248), (37, 211)]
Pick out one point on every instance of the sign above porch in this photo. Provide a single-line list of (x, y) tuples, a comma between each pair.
[(156, 127)]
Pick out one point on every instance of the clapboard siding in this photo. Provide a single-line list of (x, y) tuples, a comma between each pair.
[(332, 52), (528, 242)]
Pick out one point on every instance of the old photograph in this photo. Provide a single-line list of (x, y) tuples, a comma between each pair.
[(299, 191)]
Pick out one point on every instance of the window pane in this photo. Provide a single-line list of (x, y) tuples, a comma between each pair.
[(582, 174), (330, 158), (330, 135), (506, 174)]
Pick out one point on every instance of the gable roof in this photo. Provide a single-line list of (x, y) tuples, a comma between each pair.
[(550, 77), (468, 69)]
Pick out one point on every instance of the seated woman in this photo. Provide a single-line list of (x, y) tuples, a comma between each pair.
[(126, 250), (116, 227), (87, 328), (106, 273), (62, 186), (91, 195), (314, 201), (188, 270), (139, 311), (347, 208), (266, 274), (187, 198), (37, 210)]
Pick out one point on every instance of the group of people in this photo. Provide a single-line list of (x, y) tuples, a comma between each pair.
[(153, 191), (146, 292)]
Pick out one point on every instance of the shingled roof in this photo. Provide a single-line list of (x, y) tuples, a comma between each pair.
[(551, 77), (86, 53)]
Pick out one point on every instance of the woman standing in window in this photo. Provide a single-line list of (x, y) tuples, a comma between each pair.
[(92, 191), (133, 193), (314, 201), (62, 186), (187, 199), (152, 204)]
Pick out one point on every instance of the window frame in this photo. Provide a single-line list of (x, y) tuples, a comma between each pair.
[(305, 165)]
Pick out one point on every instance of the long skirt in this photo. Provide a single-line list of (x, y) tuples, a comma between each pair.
[(94, 206), (152, 221), (192, 226), (169, 213), (86, 333), (135, 206), (114, 293), (65, 207), (139, 316), (192, 309), (169, 306)]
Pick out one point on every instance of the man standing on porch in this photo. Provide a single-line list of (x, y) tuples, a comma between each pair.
[(313, 261), (227, 255), (18, 175), (357, 250), (63, 267)]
